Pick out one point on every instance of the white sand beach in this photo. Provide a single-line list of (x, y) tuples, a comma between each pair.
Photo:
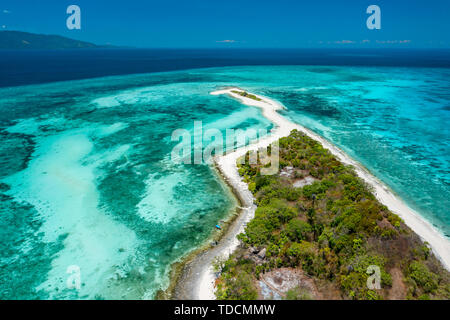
[(204, 286)]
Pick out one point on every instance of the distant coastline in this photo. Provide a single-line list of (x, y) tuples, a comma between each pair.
[(202, 285), (18, 40)]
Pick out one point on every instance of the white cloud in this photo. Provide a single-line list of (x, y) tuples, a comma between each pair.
[(393, 41), (344, 42), (226, 41)]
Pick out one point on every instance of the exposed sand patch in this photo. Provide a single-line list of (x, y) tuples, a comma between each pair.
[(306, 181), (279, 281)]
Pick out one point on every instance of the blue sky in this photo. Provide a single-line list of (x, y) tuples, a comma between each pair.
[(243, 23)]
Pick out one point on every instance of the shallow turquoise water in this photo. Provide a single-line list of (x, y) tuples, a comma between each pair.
[(86, 177)]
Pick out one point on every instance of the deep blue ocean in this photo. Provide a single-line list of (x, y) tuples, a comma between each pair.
[(20, 67), (86, 177)]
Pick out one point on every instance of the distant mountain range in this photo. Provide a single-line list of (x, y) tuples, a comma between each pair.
[(25, 40)]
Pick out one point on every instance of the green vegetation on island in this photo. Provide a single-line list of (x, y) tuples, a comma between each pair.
[(317, 220), (26, 40), (246, 95)]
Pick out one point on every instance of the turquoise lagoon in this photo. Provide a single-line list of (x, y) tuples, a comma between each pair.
[(86, 176)]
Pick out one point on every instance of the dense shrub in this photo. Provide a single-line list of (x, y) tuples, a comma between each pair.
[(422, 277), (298, 230), (333, 229)]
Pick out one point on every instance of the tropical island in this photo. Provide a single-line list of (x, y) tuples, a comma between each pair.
[(25, 40), (318, 229), (152, 151)]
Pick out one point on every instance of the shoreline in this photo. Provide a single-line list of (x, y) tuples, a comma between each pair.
[(180, 285), (198, 264), (183, 272), (200, 286)]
